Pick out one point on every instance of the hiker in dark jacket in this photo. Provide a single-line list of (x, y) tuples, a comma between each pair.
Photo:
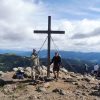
[(56, 65)]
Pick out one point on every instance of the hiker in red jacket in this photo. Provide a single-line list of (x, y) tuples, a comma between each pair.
[(56, 65)]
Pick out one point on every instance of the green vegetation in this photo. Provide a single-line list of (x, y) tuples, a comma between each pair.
[(9, 61)]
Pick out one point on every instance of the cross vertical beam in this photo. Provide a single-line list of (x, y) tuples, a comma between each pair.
[(49, 43)]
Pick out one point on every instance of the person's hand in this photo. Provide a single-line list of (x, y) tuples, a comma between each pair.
[(61, 66), (51, 64)]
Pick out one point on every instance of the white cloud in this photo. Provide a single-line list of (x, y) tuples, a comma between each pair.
[(17, 21), (88, 32), (18, 18)]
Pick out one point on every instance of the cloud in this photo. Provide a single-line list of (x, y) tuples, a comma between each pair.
[(94, 33), (95, 9), (18, 19), (81, 35)]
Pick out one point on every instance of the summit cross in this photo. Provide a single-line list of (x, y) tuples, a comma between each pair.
[(49, 32)]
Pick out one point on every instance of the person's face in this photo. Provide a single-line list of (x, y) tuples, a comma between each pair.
[(56, 54), (33, 51)]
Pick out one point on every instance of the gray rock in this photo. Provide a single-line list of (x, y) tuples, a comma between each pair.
[(63, 70), (35, 97), (82, 86), (97, 87), (78, 92), (48, 79), (32, 97), (84, 94), (40, 89), (46, 85), (95, 93), (28, 72), (21, 69), (44, 67), (15, 69), (86, 79), (75, 83), (1, 73), (56, 90), (2, 82), (28, 69), (9, 89), (70, 80), (62, 92)]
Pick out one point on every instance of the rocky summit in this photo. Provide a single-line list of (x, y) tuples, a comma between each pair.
[(69, 86)]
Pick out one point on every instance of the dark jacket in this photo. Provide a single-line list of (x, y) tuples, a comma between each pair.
[(56, 60)]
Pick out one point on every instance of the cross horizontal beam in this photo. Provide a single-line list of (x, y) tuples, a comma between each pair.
[(46, 32)]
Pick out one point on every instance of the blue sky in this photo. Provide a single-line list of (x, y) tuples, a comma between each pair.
[(73, 9), (79, 18)]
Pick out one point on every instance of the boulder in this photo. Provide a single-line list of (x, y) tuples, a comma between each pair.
[(44, 67), (72, 74), (78, 92), (56, 90), (15, 69), (95, 93), (89, 79), (86, 79), (28, 69), (70, 80), (51, 70), (28, 72), (62, 92), (1, 73), (40, 89), (31, 97), (20, 68), (75, 83), (27, 75), (63, 70), (43, 72), (9, 89), (97, 87), (83, 86), (37, 71), (14, 76), (2, 82), (46, 85), (48, 79), (79, 77)]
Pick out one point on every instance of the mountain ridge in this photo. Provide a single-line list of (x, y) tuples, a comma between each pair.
[(90, 56)]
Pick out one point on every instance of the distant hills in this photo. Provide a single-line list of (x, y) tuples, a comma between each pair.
[(92, 56), (9, 61), (16, 52)]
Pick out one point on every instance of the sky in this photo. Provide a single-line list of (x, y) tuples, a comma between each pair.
[(80, 19)]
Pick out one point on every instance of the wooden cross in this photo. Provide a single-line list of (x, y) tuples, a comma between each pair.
[(49, 32)]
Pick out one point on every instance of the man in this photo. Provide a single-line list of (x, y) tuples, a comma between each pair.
[(86, 69), (35, 64), (96, 68), (35, 58), (56, 65)]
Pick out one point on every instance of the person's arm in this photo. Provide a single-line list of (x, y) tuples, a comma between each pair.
[(31, 54), (59, 60), (52, 60)]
